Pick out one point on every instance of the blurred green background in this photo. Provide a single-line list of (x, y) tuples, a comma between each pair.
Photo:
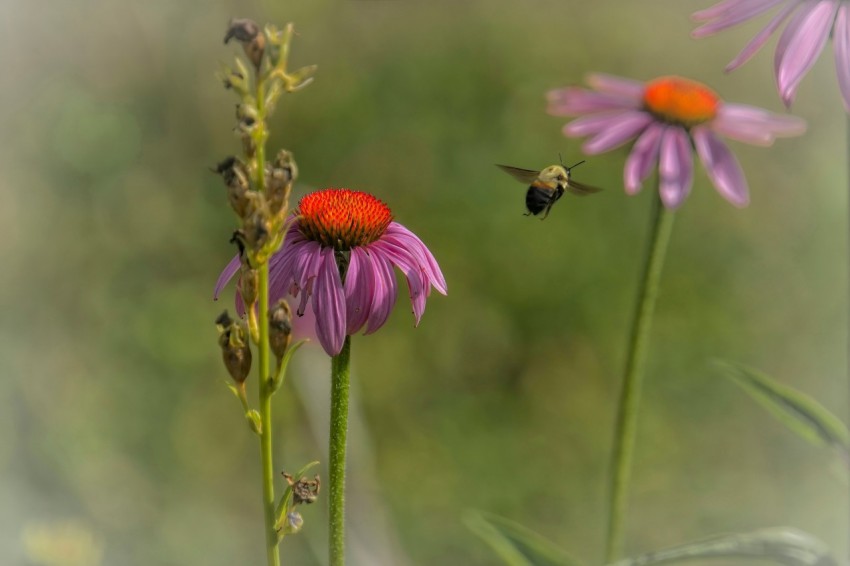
[(116, 429)]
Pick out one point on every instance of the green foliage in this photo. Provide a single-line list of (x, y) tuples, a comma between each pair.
[(516, 545), (794, 409), (778, 545)]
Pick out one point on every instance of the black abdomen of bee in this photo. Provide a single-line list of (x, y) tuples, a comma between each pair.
[(537, 199)]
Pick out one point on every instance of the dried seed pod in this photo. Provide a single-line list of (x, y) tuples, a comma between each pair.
[(253, 41), (280, 328), (235, 352)]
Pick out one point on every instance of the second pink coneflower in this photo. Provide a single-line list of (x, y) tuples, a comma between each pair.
[(667, 116)]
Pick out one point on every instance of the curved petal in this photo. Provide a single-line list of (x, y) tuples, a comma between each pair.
[(593, 124), (720, 10), (624, 131), (329, 304), (734, 13), (410, 241), (574, 101), (226, 275), (800, 44), (841, 43), (385, 290), (755, 125), (721, 166), (417, 282), (758, 41), (675, 167), (643, 158), (618, 86), (358, 290)]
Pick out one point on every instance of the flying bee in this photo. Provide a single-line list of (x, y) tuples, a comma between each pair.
[(547, 186)]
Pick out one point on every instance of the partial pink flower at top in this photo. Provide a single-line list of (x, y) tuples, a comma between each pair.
[(810, 24), (668, 116), (334, 227)]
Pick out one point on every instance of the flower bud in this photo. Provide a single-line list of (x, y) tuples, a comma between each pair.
[(235, 176), (253, 41), (279, 178), (249, 286), (294, 522), (303, 490), (280, 328), (235, 352)]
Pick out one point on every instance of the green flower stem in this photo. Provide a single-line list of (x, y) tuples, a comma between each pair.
[(273, 558), (340, 370), (627, 411)]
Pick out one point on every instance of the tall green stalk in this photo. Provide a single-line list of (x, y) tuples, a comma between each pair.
[(264, 381), (627, 412), (340, 371)]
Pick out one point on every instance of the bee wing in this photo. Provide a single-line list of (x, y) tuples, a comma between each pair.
[(581, 189), (526, 176)]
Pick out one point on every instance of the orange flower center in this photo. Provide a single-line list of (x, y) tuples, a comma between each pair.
[(680, 101), (342, 219)]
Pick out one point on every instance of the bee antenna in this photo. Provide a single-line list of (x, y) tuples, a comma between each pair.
[(574, 166), (561, 159)]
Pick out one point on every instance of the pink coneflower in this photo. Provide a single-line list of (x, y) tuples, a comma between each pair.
[(668, 116), (810, 26), (355, 230)]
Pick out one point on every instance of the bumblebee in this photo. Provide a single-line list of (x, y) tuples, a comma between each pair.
[(547, 186)]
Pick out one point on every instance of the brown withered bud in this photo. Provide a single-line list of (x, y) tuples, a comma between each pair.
[(249, 34), (246, 118), (257, 229), (249, 286), (303, 490), (280, 328), (235, 352), (235, 176), (279, 178)]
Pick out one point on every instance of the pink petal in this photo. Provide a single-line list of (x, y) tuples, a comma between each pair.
[(358, 290), (841, 43), (618, 86), (329, 304), (734, 13), (385, 290), (592, 124), (574, 101), (718, 10), (417, 282), (761, 37), (754, 125), (675, 167), (629, 126), (800, 44), (643, 157), (721, 166), (410, 241), (226, 275)]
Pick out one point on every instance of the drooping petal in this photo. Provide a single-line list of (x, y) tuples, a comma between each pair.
[(329, 304), (722, 166), (800, 44), (358, 291), (305, 268), (384, 287), (574, 101), (733, 14), (593, 124), (629, 126), (721, 9), (755, 125), (675, 167), (642, 159), (410, 241), (841, 41), (761, 37), (226, 275), (618, 86), (417, 282)]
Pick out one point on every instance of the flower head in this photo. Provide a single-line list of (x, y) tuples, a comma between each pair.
[(666, 117), (810, 24), (340, 250)]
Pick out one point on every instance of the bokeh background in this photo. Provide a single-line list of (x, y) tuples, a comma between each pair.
[(118, 437)]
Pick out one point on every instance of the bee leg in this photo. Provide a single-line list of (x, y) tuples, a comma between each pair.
[(548, 209)]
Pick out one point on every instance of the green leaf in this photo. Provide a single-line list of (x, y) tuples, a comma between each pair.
[(796, 410), (515, 544), (780, 545)]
